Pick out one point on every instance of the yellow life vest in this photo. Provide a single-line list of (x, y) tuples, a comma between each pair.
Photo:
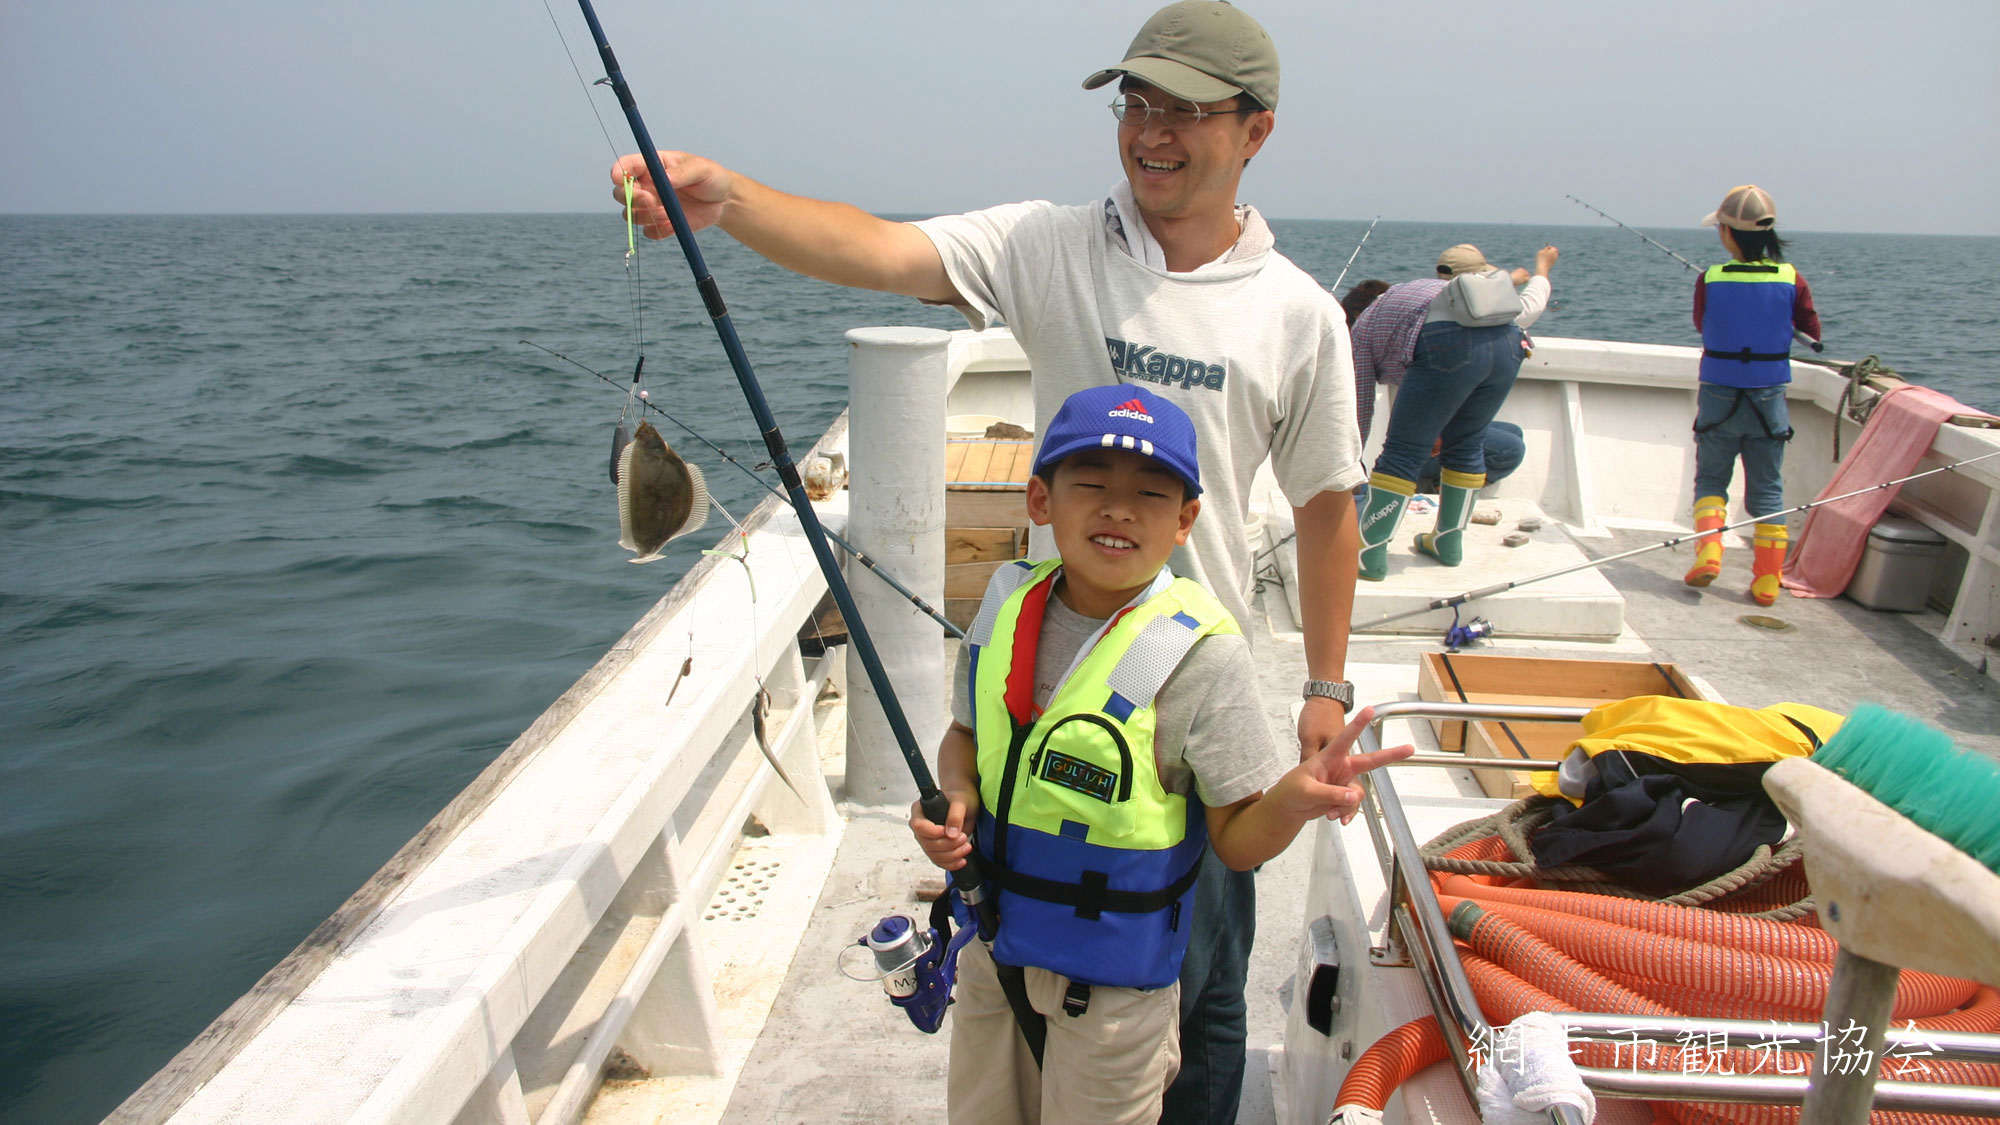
[(1092, 857)]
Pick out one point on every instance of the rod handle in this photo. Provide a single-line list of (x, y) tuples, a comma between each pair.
[(966, 880)]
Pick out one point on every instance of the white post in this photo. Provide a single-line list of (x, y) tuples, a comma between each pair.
[(896, 387)]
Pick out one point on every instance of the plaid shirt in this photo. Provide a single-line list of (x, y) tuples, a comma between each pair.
[(1385, 341)]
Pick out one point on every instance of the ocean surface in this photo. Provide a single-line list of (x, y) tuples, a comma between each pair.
[(296, 535)]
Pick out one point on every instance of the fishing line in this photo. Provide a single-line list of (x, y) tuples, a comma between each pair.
[(1488, 591), (967, 879)]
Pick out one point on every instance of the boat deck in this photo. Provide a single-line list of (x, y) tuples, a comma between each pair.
[(834, 1050)]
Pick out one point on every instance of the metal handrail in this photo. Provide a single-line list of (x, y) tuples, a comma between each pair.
[(1429, 942)]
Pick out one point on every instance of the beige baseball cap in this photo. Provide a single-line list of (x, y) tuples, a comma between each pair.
[(1747, 207), (1203, 51), (1462, 258)]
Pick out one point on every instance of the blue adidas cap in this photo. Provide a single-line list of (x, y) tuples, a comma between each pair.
[(1122, 416)]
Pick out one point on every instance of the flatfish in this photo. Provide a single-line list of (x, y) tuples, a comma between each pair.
[(660, 496)]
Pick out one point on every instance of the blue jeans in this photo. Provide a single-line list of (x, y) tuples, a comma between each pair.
[(1455, 385), (1214, 1019), (1505, 448), (1754, 426)]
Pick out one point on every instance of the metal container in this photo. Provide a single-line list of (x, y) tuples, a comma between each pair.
[(1899, 565)]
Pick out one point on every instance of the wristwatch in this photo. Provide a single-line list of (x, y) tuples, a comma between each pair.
[(1340, 691)]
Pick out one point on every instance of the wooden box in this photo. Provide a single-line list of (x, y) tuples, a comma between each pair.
[(1533, 680), (985, 515)]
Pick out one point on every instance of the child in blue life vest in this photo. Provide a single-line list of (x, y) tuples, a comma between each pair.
[(1107, 728), (1746, 310)]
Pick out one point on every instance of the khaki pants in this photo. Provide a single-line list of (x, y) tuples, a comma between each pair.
[(1109, 1065)]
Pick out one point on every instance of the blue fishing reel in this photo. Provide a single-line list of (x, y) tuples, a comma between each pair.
[(1458, 636), (917, 966)]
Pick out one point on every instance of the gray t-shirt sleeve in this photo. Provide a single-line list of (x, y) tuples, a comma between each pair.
[(983, 252), (1212, 729)]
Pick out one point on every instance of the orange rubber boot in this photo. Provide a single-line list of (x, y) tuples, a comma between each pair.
[(1710, 513), (1769, 564)]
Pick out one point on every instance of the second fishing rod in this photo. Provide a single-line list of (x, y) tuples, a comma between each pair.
[(1457, 600), (967, 879)]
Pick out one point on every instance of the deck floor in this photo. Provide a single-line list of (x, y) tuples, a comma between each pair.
[(834, 1050)]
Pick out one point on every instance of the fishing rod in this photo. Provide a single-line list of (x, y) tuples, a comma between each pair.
[(966, 879), (1356, 254), (1501, 588), (1662, 246), (856, 553), (1801, 337)]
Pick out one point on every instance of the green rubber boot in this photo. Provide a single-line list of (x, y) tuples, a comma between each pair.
[(1388, 498), (1455, 495)]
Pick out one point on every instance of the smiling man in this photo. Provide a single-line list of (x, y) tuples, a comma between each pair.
[(1168, 282)]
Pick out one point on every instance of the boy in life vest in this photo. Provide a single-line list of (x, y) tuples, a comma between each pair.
[(1108, 728), (1746, 310)]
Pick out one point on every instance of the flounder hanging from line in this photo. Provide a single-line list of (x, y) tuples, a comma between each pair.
[(660, 496)]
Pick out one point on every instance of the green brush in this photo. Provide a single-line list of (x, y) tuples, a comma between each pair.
[(1951, 793), (1901, 839)]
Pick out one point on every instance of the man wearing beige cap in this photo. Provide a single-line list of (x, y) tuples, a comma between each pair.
[(1454, 343), (1168, 282)]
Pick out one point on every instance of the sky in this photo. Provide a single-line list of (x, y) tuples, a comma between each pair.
[(1857, 115)]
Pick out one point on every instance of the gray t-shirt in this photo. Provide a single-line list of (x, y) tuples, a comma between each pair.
[(1250, 346), (1207, 728)]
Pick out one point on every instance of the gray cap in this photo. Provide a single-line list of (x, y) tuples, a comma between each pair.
[(1203, 51)]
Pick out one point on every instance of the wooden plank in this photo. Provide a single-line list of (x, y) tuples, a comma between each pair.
[(976, 466), (961, 611), (987, 463), (980, 544), (968, 580), (985, 509), (1024, 463)]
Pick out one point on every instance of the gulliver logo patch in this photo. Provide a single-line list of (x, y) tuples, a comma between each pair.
[(1080, 776)]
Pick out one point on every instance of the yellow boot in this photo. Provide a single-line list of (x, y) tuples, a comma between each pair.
[(1769, 563), (1710, 513)]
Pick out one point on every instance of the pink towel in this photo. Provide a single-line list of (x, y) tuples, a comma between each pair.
[(1897, 436)]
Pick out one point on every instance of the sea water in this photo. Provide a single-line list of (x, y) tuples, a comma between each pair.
[(296, 535)]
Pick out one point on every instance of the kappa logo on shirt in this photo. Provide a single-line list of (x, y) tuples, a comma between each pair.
[(1139, 361)]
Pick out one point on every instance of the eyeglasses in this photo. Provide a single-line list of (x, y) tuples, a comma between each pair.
[(1131, 109)]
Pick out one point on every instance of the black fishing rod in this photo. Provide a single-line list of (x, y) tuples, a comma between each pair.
[(1488, 591), (856, 553), (935, 807), (1808, 341), (1350, 258)]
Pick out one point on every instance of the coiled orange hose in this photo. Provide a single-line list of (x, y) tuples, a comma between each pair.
[(1758, 978), (1532, 949), (1390, 1061)]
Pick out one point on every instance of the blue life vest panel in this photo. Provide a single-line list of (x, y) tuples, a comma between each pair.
[(1746, 324)]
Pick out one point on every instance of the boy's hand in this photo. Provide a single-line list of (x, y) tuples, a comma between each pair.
[(949, 843), (1323, 785)]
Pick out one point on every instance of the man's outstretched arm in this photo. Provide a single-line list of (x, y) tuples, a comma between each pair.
[(834, 242)]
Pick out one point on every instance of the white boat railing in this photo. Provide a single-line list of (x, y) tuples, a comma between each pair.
[(552, 914)]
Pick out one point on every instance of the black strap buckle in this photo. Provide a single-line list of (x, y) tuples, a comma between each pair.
[(1076, 999)]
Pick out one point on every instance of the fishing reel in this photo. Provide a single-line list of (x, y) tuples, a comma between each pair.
[(917, 966), (1458, 636)]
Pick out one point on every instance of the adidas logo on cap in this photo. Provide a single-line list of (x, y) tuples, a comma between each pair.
[(1132, 408)]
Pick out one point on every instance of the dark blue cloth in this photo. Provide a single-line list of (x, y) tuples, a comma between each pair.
[(1214, 1018), (1451, 392), (1749, 423)]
